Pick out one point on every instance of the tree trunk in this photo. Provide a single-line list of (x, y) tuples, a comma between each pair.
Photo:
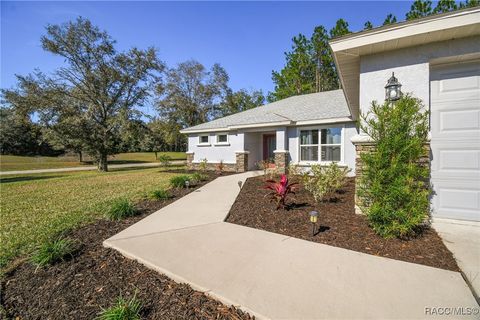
[(102, 163), (80, 156), (156, 158)]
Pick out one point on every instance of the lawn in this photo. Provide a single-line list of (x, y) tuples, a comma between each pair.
[(37, 207), (10, 163)]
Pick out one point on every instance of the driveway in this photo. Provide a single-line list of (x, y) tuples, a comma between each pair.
[(279, 277), (462, 238), (89, 168)]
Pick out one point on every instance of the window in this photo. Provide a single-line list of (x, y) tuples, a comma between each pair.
[(309, 145), (222, 138), (331, 144), (321, 145), (203, 139)]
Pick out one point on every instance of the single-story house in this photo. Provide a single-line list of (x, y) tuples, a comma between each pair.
[(436, 58)]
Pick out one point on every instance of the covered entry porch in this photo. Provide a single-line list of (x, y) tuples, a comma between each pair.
[(267, 144)]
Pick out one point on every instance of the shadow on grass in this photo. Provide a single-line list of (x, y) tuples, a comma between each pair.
[(170, 169), (26, 178), (92, 163)]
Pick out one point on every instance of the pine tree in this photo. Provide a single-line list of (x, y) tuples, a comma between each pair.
[(419, 9), (298, 75), (340, 29), (324, 64), (389, 19), (445, 6), (367, 26)]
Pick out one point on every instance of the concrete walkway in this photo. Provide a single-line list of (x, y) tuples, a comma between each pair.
[(462, 238), (279, 277), (89, 168)]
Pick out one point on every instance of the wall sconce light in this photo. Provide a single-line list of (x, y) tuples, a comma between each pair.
[(393, 90)]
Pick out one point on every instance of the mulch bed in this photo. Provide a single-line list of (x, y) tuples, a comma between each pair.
[(339, 225), (96, 276)]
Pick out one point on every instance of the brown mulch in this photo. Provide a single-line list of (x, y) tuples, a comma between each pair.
[(339, 226), (96, 276)]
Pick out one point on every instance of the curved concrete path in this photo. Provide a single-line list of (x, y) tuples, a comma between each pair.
[(279, 277)]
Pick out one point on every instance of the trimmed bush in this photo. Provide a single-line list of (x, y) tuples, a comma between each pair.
[(199, 176), (324, 181), (122, 310), (120, 209), (179, 181), (164, 160), (160, 194), (393, 188), (53, 251), (203, 165)]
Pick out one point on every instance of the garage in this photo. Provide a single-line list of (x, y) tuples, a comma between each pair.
[(455, 140)]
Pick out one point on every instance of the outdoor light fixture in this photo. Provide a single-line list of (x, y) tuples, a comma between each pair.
[(313, 220), (392, 89), (187, 184), (240, 184)]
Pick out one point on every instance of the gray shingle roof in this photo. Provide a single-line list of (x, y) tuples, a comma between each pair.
[(313, 106)]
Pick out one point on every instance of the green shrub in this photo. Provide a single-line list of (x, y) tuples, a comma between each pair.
[(199, 176), (160, 194), (263, 165), (121, 208), (179, 181), (294, 170), (324, 181), (53, 251), (203, 165), (122, 310), (164, 160), (393, 187)]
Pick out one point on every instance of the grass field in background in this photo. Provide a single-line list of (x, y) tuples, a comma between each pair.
[(37, 207), (11, 163)]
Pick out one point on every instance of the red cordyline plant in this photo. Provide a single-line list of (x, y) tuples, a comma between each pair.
[(280, 190)]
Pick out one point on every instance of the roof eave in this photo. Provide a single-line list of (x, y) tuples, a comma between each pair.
[(269, 124), (348, 49)]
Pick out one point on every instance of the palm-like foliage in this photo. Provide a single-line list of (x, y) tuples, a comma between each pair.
[(280, 190)]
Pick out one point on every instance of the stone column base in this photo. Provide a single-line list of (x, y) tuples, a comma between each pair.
[(190, 165), (281, 161), (241, 161), (362, 146)]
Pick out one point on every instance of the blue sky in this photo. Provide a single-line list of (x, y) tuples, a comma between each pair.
[(247, 38)]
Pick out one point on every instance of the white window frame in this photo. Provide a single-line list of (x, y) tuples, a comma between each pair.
[(203, 144), (319, 128), (225, 143)]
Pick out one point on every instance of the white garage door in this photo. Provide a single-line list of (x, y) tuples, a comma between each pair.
[(455, 144)]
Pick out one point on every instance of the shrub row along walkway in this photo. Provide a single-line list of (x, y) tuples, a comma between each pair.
[(276, 276), (90, 168)]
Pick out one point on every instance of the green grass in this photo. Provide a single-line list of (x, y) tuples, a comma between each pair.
[(11, 163), (36, 208), (122, 310)]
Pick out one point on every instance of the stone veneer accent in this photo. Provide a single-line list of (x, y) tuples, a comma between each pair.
[(361, 147), (281, 161), (190, 163), (241, 164), (241, 161)]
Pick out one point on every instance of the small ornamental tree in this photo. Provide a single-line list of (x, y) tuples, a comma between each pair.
[(393, 189)]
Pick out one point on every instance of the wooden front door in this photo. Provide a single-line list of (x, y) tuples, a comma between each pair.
[(269, 145)]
